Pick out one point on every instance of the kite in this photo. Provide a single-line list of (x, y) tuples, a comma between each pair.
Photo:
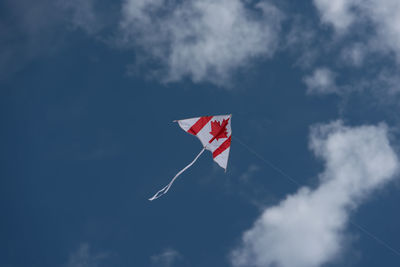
[(214, 133)]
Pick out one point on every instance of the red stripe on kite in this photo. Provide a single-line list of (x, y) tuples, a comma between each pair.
[(199, 125), (222, 147)]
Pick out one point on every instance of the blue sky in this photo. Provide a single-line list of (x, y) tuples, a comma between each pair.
[(88, 93)]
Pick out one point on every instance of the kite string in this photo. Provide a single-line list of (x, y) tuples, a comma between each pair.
[(165, 189), (363, 229), (269, 163)]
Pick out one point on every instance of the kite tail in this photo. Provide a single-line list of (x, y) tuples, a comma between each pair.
[(165, 189)]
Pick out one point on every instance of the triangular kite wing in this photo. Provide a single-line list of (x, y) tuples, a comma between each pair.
[(214, 133)]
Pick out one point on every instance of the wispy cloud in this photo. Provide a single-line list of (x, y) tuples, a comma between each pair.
[(307, 229), (354, 54), (84, 257), (338, 13), (382, 15), (322, 81), (82, 14), (27, 31), (251, 170), (30, 30), (201, 40), (166, 258)]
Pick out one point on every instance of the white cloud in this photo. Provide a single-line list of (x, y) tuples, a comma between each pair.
[(83, 257), (336, 12), (390, 80), (204, 40), (354, 54), (166, 258), (307, 228), (384, 15), (322, 81)]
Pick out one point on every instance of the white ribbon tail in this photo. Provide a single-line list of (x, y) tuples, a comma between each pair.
[(165, 189)]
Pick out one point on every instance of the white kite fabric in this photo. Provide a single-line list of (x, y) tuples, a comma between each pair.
[(214, 133)]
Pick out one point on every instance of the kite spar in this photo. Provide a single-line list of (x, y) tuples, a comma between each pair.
[(214, 132)]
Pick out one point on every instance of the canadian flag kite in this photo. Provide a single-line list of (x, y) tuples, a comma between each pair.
[(214, 133)]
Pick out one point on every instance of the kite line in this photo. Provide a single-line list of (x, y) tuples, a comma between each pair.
[(284, 174), (267, 162)]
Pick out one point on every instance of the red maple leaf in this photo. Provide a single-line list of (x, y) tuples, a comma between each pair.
[(218, 129)]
